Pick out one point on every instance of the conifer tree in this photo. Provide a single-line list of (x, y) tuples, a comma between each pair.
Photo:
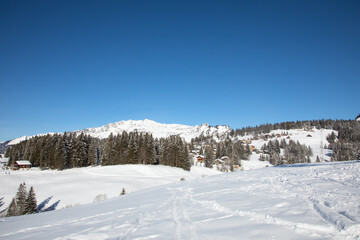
[(30, 204), (12, 209), (209, 157), (21, 199)]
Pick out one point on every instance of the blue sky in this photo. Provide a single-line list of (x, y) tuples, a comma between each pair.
[(68, 65)]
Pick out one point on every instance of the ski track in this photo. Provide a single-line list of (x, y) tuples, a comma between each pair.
[(339, 221), (181, 197)]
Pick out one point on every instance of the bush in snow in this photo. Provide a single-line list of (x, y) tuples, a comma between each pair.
[(100, 197)]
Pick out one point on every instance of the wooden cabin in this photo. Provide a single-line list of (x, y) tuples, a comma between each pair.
[(200, 159), (22, 164)]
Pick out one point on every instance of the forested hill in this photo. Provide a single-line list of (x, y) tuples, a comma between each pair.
[(77, 149)]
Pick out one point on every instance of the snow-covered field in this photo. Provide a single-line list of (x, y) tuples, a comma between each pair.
[(317, 141), (304, 201), (80, 186)]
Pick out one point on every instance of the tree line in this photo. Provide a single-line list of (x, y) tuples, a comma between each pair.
[(70, 150), (268, 127), (293, 152), (346, 145)]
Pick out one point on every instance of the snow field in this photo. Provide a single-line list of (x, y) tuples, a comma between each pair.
[(302, 201), (81, 186)]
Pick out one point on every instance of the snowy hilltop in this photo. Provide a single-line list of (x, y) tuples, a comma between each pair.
[(303, 201), (158, 130)]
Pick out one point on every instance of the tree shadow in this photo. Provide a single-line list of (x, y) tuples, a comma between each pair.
[(42, 207)]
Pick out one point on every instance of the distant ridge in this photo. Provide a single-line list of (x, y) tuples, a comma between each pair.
[(158, 130)]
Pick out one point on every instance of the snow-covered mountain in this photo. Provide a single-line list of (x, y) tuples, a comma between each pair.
[(158, 130)]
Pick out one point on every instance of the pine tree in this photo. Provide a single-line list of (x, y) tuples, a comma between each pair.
[(21, 199), (150, 150), (209, 157), (31, 204), (12, 209)]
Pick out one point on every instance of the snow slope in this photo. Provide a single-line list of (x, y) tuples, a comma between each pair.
[(306, 201), (80, 186), (317, 141), (23, 138)]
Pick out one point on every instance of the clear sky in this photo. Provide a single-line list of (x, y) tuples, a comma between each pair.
[(68, 65)]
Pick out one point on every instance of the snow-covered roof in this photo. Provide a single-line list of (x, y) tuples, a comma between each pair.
[(23, 162), (4, 160)]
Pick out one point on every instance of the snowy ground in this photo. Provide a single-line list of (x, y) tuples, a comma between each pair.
[(317, 141), (304, 201), (80, 186)]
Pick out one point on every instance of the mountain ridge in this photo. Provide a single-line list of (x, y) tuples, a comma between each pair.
[(158, 130)]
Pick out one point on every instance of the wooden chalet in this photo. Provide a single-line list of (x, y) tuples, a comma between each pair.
[(200, 159), (22, 164)]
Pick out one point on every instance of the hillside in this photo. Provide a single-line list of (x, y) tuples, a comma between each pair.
[(315, 138), (303, 201)]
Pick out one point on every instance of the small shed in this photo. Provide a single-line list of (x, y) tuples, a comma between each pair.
[(23, 164), (200, 159)]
